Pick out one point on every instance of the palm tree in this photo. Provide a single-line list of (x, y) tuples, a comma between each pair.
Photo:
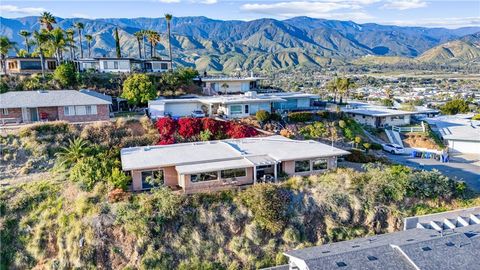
[(71, 42), (345, 85), (89, 39), (168, 18), (40, 39), (57, 43), (25, 34), (154, 39), (47, 20), (333, 86), (5, 46), (74, 152), (144, 35), (139, 36), (80, 27)]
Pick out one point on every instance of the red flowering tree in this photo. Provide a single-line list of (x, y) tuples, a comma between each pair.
[(237, 131), (166, 127), (189, 127)]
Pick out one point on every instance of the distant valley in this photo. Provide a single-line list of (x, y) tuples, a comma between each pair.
[(268, 44)]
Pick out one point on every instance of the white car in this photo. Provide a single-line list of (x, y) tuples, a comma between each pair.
[(393, 148), (198, 114)]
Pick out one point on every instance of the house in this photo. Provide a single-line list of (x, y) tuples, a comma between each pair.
[(229, 85), (451, 240), (461, 133), (217, 165), (118, 65), (233, 106), (28, 65), (377, 116), (51, 105)]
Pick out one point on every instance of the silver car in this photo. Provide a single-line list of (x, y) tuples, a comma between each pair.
[(393, 148)]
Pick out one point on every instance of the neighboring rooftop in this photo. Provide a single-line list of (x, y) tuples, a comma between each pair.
[(206, 156), (445, 220), (378, 111), (414, 248), (230, 78), (456, 127), (226, 99), (48, 98)]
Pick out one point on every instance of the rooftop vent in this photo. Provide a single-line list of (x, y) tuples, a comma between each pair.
[(372, 258), (326, 251), (449, 244), (426, 248), (410, 240), (341, 264), (355, 246), (42, 91)]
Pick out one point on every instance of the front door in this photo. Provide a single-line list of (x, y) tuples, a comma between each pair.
[(33, 113)]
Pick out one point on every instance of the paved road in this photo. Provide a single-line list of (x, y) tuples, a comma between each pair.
[(463, 169)]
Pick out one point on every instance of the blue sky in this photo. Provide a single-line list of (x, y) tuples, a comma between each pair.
[(436, 13)]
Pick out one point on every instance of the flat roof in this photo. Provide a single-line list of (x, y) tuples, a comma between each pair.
[(202, 155), (378, 111), (231, 99), (457, 127), (48, 98), (227, 78)]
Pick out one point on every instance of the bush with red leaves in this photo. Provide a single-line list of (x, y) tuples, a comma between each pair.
[(238, 131), (117, 195), (189, 127)]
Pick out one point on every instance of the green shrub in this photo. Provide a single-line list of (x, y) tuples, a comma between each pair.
[(297, 117), (314, 131), (118, 179), (476, 117), (455, 106), (262, 116), (269, 205), (65, 74)]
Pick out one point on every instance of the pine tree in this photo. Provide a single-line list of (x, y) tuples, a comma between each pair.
[(117, 44)]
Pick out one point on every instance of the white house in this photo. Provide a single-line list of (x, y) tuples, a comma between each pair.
[(380, 116), (117, 65), (460, 132), (233, 106), (229, 85)]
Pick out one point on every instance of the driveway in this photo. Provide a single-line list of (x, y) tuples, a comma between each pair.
[(461, 167)]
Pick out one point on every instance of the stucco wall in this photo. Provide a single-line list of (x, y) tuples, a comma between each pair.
[(169, 173), (214, 185), (289, 166)]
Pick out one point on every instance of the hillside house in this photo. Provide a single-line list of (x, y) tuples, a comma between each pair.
[(52, 105), (122, 65), (28, 65), (217, 165)]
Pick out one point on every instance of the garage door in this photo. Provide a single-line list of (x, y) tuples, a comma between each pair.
[(464, 147), (180, 110)]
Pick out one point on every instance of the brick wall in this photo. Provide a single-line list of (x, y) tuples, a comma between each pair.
[(12, 113), (52, 112), (103, 114)]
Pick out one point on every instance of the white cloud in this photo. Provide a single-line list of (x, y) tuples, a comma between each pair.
[(438, 22), (330, 9), (208, 2), (81, 15), (21, 10), (169, 1), (405, 4)]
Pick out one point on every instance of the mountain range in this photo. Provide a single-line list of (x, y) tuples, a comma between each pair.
[(270, 44)]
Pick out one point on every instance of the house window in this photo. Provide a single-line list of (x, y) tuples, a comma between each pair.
[(319, 164), (5, 111), (164, 66), (80, 110), (105, 65), (246, 108), (233, 173), (91, 109), (69, 110), (115, 64), (152, 179), (236, 109), (302, 165), (202, 177)]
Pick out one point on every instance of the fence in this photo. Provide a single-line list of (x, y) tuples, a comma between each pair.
[(420, 128)]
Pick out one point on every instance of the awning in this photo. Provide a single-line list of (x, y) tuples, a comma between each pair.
[(261, 160), (213, 166)]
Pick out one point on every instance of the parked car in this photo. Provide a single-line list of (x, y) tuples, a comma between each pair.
[(393, 148), (198, 114)]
